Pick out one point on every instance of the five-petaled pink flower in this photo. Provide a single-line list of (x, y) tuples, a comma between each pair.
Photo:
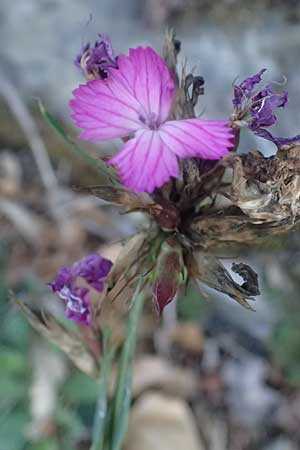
[(135, 101)]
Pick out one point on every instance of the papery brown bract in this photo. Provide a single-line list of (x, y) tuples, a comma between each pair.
[(118, 196), (69, 342), (131, 264)]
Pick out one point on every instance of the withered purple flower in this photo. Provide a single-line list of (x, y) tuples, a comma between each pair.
[(255, 108), (93, 269), (96, 61), (244, 90)]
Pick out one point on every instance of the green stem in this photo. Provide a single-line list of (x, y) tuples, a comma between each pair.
[(101, 408), (124, 379)]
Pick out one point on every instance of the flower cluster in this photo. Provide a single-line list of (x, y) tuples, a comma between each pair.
[(93, 269), (255, 108), (138, 98)]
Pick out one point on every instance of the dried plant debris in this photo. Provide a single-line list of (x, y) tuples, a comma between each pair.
[(69, 342), (263, 201), (208, 270), (118, 196)]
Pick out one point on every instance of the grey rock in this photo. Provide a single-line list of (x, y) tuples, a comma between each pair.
[(281, 444), (247, 396), (40, 38)]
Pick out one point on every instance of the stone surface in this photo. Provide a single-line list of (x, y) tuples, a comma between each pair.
[(156, 372), (282, 444), (161, 422), (248, 396), (40, 38)]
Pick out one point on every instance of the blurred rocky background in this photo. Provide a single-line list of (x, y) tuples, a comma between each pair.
[(220, 377), (222, 40)]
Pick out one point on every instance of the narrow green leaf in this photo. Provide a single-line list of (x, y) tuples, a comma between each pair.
[(124, 379), (94, 162)]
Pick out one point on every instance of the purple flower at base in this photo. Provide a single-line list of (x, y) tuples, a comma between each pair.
[(254, 108), (94, 270), (96, 61), (77, 305)]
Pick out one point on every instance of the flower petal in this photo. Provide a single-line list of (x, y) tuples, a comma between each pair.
[(197, 138), (245, 88), (152, 81), (140, 88), (94, 269), (78, 306), (104, 109), (279, 141), (145, 163)]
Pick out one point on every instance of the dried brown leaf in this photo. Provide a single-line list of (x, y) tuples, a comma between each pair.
[(210, 271), (170, 52), (122, 282), (118, 196), (126, 263), (68, 341)]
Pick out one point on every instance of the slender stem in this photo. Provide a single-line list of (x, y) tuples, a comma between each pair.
[(102, 403), (109, 430), (124, 380)]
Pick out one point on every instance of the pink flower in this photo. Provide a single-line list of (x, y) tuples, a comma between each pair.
[(135, 101)]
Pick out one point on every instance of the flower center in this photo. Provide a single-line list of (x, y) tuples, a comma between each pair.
[(150, 120), (73, 302)]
